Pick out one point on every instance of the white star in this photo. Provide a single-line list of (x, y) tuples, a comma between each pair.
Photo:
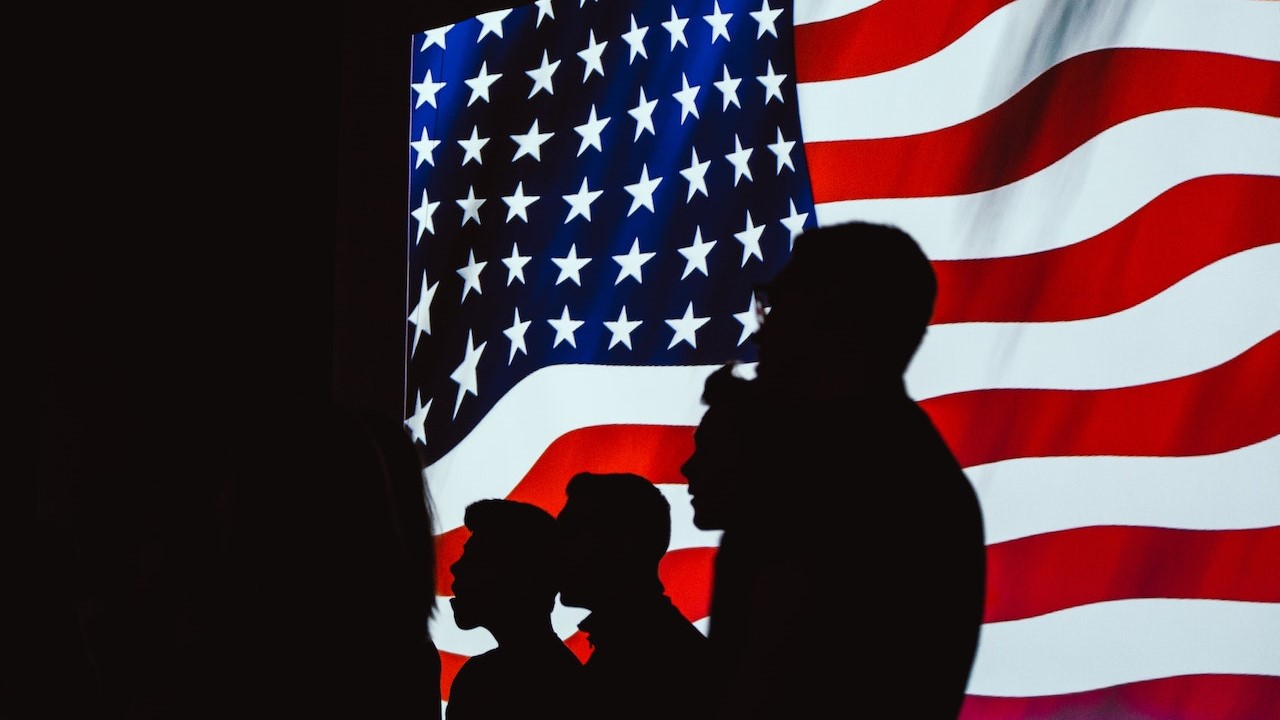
[(471, 206), (719, 23), (580, 202), (687, 97), (515, 333), (766, 17), (518, 202), (427, 90), (750, 321), (772, 85), (565, 328), (420, 315), (480, 83), (473, 147), (635, 40), (696, 175), (423, 214), (471, 275), (491, 22), (750, 239), (641, 191), (590, 132), (675, 26), (530, 143), (729, 87), (739, 159), (542, 76), (465, 374), (621, 329), (570, 266), (631, 262), (544, 10), (794, 222), (515, 263), (686, 327), (695, 255), (591, 56), (435, 37), (643, 113), (782, 149), (424, 146), (417, 422)]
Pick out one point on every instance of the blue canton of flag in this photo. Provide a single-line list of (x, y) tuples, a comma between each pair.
[(593, 183)]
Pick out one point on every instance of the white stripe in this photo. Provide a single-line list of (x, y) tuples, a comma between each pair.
[(1017, 43), (449, 638), (811, 11), (1085, 192), (1223, 491), (1204, 320), (1124, 641)]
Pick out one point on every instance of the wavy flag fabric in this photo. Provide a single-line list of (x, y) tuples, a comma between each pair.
[(597, 185)]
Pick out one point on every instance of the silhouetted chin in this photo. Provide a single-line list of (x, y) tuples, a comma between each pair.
[(461, 618)]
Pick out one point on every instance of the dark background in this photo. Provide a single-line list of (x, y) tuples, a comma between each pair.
[(219, 201)]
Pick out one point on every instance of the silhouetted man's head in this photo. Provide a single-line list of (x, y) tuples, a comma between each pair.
[(508, 565), (856, 292), (614, 530), (725, 458)]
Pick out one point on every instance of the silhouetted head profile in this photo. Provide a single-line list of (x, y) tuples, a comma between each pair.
[(507, 571), (859, 292), (614, 530), (725, 456)]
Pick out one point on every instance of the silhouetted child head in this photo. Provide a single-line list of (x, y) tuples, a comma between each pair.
[(856, 292), (614, 530), (726, 454), (508, 564)]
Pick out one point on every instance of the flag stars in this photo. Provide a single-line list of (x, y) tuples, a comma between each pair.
[(417, 422), (518, 203), (641, 191), (491, 23), (480, 83), (420, 315), (794, 223), (750, 239), (749, 319), (515, 333), (471, 206), (435, 37), (541, 76), (696, 175), (570, 266), (635, 40), (473, 146), (470, 274), (772, 84), (591, 56), (515, 263), (686, 328), (687, 97), (565, 327), (544, 11), (739, 158), (695, 255), (465, 374), (630, 264), (590, 132), (728, 86), (719, 23), (643, 114), (621, 329), (675, 26), (530, 143), (782, 148), (580, 202), (766, 17), (423, 214), (427, 90), (424, 146)]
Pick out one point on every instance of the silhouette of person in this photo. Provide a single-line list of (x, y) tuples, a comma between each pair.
[(505, 581), (864, 567), (647, 659)]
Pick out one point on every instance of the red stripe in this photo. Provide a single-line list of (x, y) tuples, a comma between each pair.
[(1120, 267), (1186, 697), (1040, 574), (1223, 408), (450, 663), (1053, 115), (883, 36)]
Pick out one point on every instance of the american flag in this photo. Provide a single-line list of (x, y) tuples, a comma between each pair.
[(597, 185)]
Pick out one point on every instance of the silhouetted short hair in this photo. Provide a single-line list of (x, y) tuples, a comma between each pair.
[(525, 537), (627, 511)]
